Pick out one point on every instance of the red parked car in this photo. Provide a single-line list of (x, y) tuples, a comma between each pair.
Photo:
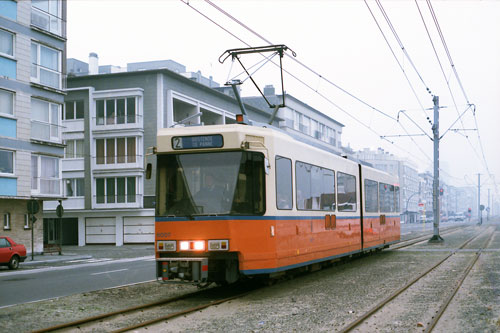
[(11, 253)]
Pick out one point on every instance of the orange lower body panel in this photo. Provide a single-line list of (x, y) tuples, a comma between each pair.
[(272, 244)]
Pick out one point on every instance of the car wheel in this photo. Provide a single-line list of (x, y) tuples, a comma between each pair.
[(14, 262)]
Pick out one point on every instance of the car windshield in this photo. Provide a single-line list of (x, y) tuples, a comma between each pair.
[(221, 183)]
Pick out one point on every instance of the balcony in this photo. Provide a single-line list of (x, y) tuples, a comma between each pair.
[(118, 201), (119, 122), (47, 77), (73, 164), (68, 204), (45, 131), (117, 162), (46, 187), (48, 22)]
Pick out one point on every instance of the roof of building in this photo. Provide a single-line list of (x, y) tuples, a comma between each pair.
[(175, 75)]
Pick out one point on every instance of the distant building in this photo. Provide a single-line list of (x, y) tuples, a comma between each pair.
[(110, 121), (32, 89), (408, 179)]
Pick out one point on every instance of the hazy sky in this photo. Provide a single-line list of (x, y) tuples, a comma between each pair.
[(340, 41)]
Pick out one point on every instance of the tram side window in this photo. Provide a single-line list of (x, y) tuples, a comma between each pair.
[(387, 202), (283, 183), (346, 192), (315, 187), (371, 196)]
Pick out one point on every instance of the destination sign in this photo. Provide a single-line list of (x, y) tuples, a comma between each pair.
[(197, 142)]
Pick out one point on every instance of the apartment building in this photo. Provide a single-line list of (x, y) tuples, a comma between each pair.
[(111, 118), (302, 121), (32, 85)]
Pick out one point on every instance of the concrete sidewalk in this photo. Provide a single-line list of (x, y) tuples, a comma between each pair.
[(71, 252)]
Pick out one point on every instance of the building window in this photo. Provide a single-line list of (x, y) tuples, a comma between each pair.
[(74, 110), (45, 175), (116, 150), (6, 102), (116, 190), (75, 187), (46, 14), (6, 43), (26, 221), (45, 120), (45, 65), (116, 111), (6, 162), (74, 149), (283, 183), (6, 221)]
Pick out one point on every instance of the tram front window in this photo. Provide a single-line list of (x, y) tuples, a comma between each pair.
[(219, 183)]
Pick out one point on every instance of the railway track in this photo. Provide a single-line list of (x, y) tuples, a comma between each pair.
[(148, 314), (143, 315), (422, 238), (435, 318)]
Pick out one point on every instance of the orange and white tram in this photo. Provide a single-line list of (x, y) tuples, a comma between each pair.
[(238, 201)]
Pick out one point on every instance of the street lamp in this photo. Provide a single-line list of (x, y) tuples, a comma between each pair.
[(407, 202)]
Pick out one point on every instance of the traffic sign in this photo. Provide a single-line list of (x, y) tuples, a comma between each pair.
[(33, 206)]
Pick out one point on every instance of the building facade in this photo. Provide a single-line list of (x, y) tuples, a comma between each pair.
[(110, 122), (32, 88)]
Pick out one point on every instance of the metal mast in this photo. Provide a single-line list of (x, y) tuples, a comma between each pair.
[(435, 185)]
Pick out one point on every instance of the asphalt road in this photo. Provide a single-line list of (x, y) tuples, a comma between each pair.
[(44, 283)]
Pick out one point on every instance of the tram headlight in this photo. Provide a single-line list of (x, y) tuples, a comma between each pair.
[(218, 245), (192, 245), (166, 245), (199, 245)]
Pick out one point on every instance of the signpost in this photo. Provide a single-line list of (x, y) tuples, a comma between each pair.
[(59, 213), (33, 208)]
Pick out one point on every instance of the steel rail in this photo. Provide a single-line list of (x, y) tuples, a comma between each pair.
[(422, 238), (180, 313), (444, 306), (398, 292), (114, 313)]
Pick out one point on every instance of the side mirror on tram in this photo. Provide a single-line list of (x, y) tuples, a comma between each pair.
[(149, 169)]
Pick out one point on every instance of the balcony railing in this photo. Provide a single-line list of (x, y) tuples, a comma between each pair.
[(47, 77), (118, 199), (117, 159), (46, 186), (47, 22), (117, 120), (45, 131)]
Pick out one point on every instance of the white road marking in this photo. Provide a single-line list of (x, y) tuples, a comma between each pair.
[(90, 260), (118, 270)]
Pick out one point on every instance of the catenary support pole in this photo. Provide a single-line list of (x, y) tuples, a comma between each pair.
[(479, 212), (435, 185)]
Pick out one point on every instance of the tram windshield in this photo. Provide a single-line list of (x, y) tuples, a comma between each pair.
[(221, 183)]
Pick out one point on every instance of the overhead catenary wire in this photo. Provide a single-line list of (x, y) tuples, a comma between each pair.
[(452, 64), (396, 58), (315, 90), (320, 77), (440, 65), (298, 61)]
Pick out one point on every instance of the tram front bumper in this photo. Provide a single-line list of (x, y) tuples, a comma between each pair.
[(182, 269)]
